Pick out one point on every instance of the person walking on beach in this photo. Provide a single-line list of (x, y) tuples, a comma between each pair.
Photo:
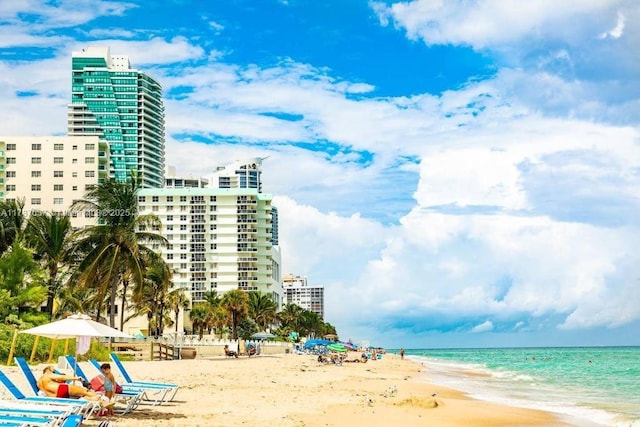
[(402, 353)]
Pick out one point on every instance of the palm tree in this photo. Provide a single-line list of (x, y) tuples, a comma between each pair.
[(236, 302), (220, 318), (290, 317), (50, 236), (199, 317), (117, 242), (177, 300), (12, 220), (262, 309)]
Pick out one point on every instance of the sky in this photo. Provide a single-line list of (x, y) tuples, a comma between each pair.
[(456, 173)]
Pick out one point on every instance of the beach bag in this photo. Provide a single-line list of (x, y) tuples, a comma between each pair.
[(97, 383), (118, 388), (63, 390)]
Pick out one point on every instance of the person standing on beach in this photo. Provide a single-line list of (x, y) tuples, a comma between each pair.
[(402, 353)]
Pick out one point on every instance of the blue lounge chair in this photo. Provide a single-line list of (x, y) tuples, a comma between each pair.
[(82, 406), (131, 398), (173, 388), (152, 394)]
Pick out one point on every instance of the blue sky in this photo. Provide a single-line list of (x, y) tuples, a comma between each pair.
[(456, 173)]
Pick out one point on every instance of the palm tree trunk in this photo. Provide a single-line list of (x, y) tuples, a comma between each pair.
[(112, 305), (123, 303)]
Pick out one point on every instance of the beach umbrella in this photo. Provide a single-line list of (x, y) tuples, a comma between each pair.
[(337, 347), (75, 326), (262, 336), (79, 326)]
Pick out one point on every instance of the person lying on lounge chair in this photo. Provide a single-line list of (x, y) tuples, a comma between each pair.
[(53, 385), (229, 352), (251, 350)]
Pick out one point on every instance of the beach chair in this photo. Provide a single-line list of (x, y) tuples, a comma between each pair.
[(150, 394), (172, 388), (49, 417), (131, 398), (84, 407)]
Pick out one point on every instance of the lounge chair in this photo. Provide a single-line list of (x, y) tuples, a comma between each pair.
[(150, 393), (147, 385), (84, 407), (131, 398), (34, 415)]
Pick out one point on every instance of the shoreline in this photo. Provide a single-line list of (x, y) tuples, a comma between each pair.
[(296, 390)]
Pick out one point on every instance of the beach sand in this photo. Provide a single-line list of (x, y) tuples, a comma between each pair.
[(296, 390)]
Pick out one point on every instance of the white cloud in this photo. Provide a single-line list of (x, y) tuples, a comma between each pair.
[(483, 327), (615, 32)]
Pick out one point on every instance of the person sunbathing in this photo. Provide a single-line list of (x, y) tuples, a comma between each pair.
[(50, 384), (229, 352)]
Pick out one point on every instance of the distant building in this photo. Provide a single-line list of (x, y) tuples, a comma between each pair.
[(298, 291), (122, 106), (219, 238), (51, 172)]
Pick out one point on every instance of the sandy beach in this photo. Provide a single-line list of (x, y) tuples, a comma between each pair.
[(296, 390)]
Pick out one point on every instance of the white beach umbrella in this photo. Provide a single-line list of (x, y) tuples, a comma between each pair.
[(75, 326), (79, 326)]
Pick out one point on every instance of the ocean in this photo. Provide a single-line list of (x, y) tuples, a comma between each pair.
[(587, 386)]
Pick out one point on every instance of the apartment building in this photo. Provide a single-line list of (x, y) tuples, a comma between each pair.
[(219, 238), (51, 172), (123, 106), (298, 291)]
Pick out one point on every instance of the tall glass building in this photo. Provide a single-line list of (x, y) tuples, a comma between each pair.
[(122, 106)]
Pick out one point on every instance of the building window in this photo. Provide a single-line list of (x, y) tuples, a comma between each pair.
[(169, 208), (142, 199), (74, 174), (35, 201), (183, 247), (169, 227), (154, 208), (58, 147), (169, 256), (169, 198), (183, 227), (169, 217), (183, 217), (89, 160), (89, 174), (35, 160), (11, 160), (58, 160), (11, 187), (36, 174), (74, 161), (89, 146), (57, 200), (57, 187), (11, 174), (183, 198), (35, 187), (36, 147), (75, 147), (11, 147), (183, 256), (58, 174), (74, 188), (154, 198)]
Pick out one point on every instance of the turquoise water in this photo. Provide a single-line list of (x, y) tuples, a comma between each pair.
[(597, 386)]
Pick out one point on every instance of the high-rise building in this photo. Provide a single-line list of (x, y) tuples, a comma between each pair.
[(219, 238), (51, 172), (123, 106), (298, 291)]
